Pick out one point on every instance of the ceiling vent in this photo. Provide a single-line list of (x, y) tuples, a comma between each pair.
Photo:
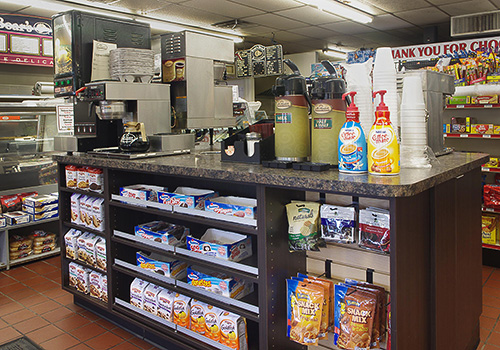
[(478, 23)]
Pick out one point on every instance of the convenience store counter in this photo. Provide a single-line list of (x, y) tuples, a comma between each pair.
[(208, 165), (433, 270)]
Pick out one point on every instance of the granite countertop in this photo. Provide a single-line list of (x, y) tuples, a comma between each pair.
[(208, 165)]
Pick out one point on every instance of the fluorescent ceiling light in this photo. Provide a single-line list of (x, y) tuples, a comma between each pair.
[(335, 53), (339, 9)]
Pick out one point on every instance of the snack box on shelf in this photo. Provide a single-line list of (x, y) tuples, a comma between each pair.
[(3, 221), (233, 331), (489, 229), (166, 267), (218, 283), (459, 100), (142, 192), (492, 163), (222, 244), (150, 303), (233, 206), (40, 201), (137, 288), (486, 129), (162, 232), (484, 99), (41, 209), (44, 248), (45, 215), (17, 218), (186, 197)]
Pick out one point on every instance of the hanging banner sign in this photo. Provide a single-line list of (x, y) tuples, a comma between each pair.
[(434, 50), (26, 40)]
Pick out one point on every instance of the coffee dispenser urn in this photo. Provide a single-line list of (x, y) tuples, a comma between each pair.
[(328, 116), (292, 109)]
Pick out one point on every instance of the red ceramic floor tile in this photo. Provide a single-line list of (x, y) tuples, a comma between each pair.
[(6, 280), (57, 292), (494, 292), (21, 273), (30, 325), (495, 275), (4, 300), (10, 308), (488, 300), (8, 334), (484, 334), (80, 346), (18, 316), (44, 287), (56, 261), (488, 268), (491, 347), (493, 283), (61, 313), (23, 294), (44, 334), (12, 288), (3, 324), (66, 299), (104, 341), (493, 339), (34, 300), (43, 269), (45, 307), (87, 332), (75, 308), (125, 346), (62, 342), (90, 315), (141, 343), (72, 322), (35, 281), (487, 322), (491, 312)]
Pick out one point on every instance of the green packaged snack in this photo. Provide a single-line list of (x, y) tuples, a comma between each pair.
[(303, 228)]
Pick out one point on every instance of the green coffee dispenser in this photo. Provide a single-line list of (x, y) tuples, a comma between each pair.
[(328, 116), (292, 109)]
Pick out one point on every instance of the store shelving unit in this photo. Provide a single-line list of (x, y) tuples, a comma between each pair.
[(47, 224), (474, 106), (426, 240), (472, 136)]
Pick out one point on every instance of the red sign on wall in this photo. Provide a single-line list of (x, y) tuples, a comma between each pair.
[(26, 40)]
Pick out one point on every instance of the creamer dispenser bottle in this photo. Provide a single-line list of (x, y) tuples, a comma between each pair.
[(292, 139), (328, 115), (352, 141), (383, 147)]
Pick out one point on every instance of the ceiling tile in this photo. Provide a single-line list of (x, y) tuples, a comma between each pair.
[(188, 15), (9, 7), (496, 3), (347, 41), (346, 27), (388, 22), (37, 12), (314, 44), (286, 36), (369, 6), (400, 5), (275, 21), (309, 15), (467, 7), (223, 7), (313, 32), (425, 16), (269, 5), (138, 6), (258, 29)]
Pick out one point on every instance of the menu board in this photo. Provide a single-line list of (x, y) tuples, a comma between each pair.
[(259, 61), (26, 40)]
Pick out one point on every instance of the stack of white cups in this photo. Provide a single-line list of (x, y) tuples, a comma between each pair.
[(358, 79), (413, 124), (384, 78)]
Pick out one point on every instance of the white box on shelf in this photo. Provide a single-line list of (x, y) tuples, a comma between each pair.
[(222, 244)]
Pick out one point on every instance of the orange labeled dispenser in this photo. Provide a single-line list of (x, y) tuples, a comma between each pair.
[(383, 147)]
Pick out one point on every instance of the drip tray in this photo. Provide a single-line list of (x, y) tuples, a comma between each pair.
[(115, 152)]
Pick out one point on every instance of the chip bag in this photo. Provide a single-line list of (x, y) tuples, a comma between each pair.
[(303, 231), (304, 309)]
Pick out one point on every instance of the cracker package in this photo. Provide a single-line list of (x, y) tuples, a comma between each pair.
[(304, 309), (212, 322), (181, 310), (166, 304), (303, 233), (338, 224), (198, 310), (354, 316)]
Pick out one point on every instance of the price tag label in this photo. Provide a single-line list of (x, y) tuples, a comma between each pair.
[(460, 106), (487, 136), (464, 135), (485, 169), (488, 106)]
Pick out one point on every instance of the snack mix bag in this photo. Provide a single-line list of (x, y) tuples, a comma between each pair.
[(305, 306)]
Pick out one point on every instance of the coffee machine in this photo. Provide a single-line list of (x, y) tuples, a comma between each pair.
[(192, 64)]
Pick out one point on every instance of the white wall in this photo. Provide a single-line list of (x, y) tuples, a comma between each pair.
[(303, 62)]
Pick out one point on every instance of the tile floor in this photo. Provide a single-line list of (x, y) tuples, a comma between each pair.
[(33, 304)]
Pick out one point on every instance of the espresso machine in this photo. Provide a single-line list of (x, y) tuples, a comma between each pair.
[(193, 64)]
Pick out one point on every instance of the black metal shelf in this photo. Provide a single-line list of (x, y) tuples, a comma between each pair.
[(87, 297), (84, 229), (221, 265), (224, 303), (31, 223), (224, 225), (88, 193), (149, 320)]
